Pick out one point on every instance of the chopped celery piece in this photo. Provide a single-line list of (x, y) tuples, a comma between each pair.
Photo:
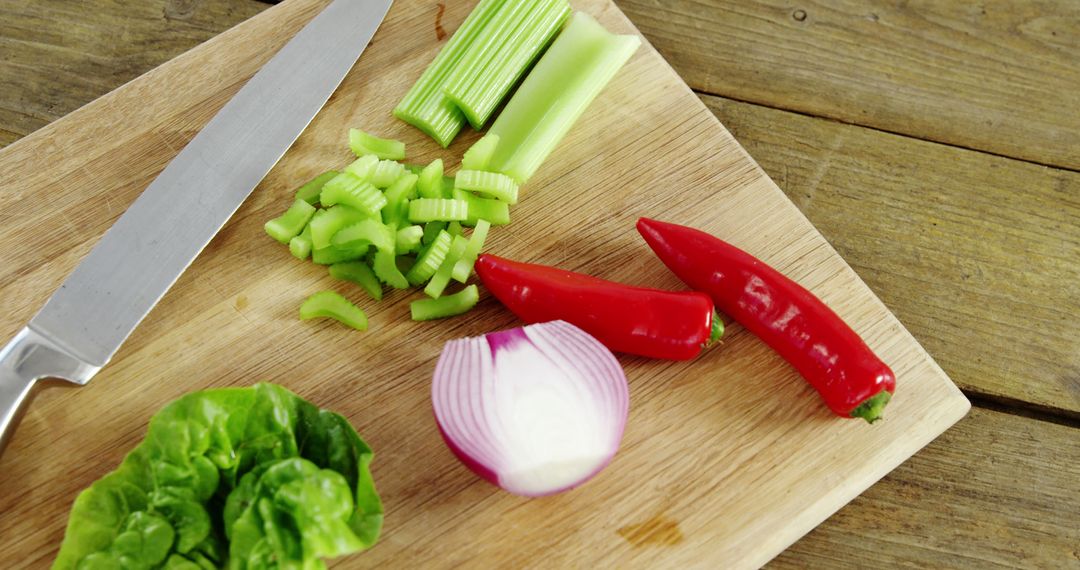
[(441, 279), (464, 266), (479, 154), (454, 229), (310, 192), (326, 223), (408, 239), (364, 232), (348, 189), (437, 209), (359, 273), (363, 143), (329, 304), (494, 211), (405, 263), (425, 106), (330, 255), (386, 173), (386, 270), (448, 306), (498, 186), (430, 182), (430, 260), (397, 198), (363, 167), (573, 71), (300, 246), (431, 231), (479, 91), (292, 222)]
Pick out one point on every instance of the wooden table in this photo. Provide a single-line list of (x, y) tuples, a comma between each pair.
[(935, 144)]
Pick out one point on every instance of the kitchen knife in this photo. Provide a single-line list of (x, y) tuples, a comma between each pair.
[(85, 321)]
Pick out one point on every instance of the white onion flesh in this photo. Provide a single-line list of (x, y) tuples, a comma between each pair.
[(535, 410)]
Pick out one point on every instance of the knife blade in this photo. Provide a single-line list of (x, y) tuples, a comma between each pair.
[(139, 258)]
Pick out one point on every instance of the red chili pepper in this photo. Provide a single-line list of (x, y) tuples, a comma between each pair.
[(635, 320), (833, 358)]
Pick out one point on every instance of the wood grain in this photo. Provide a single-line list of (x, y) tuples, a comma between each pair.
[(56, 55), (978, 255), (733, 449), (998, 75), (997, 491)]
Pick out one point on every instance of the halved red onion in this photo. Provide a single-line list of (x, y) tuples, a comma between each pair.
[(535, 410)]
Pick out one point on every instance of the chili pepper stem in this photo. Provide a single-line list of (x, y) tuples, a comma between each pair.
[(717, 329), (871, 409)]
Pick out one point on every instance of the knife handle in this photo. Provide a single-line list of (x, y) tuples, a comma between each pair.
[(30, 357)]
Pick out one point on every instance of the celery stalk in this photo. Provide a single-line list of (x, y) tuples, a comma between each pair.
[(425, 106), (430, 182), (448, 306), (479, 154), (310, 192), (441, 278), (577, 66), (492, 184), (363, 143), (293, 221), (358, 272), (328, 304)]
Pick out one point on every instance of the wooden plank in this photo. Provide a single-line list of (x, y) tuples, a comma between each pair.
[(735, 432), (1000, 75), (978, 255), (58, 55), (997, 491)]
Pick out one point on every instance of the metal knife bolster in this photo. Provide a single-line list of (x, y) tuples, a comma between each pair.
[(28, 358)]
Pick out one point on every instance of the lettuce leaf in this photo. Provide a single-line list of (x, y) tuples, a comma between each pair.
[(245, 478)]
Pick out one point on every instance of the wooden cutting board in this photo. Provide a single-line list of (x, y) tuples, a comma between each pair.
[(727, 459)]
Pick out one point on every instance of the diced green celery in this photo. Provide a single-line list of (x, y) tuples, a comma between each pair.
[(479, 154), (328, 304), (441, 279), (359, 273), (430, 182), (363, 167), (478, 92), (454, 229), (310, 192), (364, 232), (405, 263), (430, 259), (397, 198), (300, 246), (330, 255), (408, 239), (437, 209), (464, 266), (498, 186), (363, 143), (494, 211), (326, 223), (431, 231), (350, 190), (386, 270), (573, 71), (386, 173), (425, 106), (448, 306), (292, 222)]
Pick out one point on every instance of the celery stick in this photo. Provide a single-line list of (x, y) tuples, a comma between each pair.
[(494, 211), (454, 229), (397, 198), (363, 143), (363, 167), (359, 273), (292, 222), (326, 223), (430, 260), (350, 190), (329, 255), (479, 154), (386, 173), (386, 270), (408, 239), (439, 209), (448, 306), (310, 192), (431, 231), (364, 232), (430, 182), (300, 246), (478, 94), (439, 281), (577, 66), (498, 186), (329, 304), (425, 106), (464, 266)]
